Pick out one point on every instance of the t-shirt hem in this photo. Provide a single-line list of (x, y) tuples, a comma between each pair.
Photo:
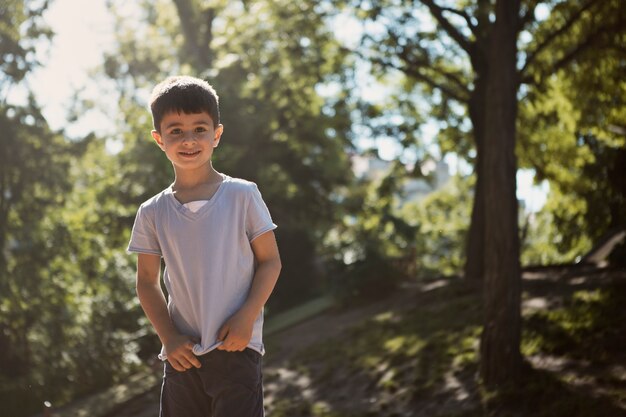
[(198, 352), (262, 231), (141, 250)]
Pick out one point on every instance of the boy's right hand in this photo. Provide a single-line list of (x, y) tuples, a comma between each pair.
[(179, 350)]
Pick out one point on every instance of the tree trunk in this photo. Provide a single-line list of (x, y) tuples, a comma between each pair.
[(475, 244), (196, 26), (500, 345), (474, 268)]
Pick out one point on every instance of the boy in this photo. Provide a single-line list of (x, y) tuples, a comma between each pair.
[(216, 237)]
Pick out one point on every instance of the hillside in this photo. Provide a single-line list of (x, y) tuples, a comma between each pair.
[(414, 354)]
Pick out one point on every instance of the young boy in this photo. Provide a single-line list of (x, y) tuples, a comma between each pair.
[(216, 237)]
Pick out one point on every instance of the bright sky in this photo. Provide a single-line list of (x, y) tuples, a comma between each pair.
[(84, 31)]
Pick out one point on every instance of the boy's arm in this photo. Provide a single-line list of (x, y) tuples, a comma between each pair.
[(178, 347), (237, 331)]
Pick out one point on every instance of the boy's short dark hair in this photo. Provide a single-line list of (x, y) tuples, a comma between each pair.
[(184, 94)]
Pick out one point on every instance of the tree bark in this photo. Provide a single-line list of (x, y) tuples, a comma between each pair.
[(500, 354), (475, 244), (474, 268), (196, 26)]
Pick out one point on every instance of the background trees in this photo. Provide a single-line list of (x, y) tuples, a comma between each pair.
[(33, 180), (475, 61), (66, 289), (441, 49)]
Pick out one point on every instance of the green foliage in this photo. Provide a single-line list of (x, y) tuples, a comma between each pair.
[(37, 303), (443, 218), (21, 27), (373, 245), (68, 304), (544, 243), (570, 96), (571, 122), (582, 161), (388, 239)]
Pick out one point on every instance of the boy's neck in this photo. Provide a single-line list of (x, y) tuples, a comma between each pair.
[(187, 180)]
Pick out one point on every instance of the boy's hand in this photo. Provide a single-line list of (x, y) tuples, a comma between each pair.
[(236, 333), (180, 355)]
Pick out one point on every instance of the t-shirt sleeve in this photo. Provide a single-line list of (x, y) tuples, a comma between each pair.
[(258, 219), (143, 238)]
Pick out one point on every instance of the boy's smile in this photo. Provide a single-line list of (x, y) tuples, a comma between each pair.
[(188, 140)]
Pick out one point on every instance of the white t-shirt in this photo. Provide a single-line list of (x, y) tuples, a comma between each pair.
[(209, 263)]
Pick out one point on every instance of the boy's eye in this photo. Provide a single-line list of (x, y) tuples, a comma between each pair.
[(200, 129), (175, 131)]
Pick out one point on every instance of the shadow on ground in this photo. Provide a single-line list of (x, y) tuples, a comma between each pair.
[(419, 357)]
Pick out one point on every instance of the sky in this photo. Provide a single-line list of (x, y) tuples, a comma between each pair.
[(84, 32)]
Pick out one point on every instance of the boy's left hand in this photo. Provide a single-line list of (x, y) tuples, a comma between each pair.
[(236, 332)]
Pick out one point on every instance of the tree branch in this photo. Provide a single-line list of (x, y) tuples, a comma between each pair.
[(424, 63), (464, 15), (451, 30), (576, 51), (551, 37), (411, 60), (415, 73)]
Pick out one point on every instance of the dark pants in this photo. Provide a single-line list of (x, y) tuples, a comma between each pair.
[(229, 384)]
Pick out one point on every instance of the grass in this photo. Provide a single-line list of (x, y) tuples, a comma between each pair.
[(396, 359), (589, 325), (423, 361), (293, 316)]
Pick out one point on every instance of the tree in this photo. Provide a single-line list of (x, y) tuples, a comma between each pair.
[(580, 108), (35, 310), (66, 299), (17, 59), (34, 165), (21, 27), (464, 58), (24, 167), (500, 341), (443, 219)]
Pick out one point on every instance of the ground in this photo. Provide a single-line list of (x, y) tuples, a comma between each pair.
[(415, 352)]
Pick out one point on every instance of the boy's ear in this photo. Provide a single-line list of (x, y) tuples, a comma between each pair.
[(157, 138), (218, 135)]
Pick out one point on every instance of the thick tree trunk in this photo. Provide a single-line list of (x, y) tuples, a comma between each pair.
[(474, 269), (475, 244), (500, 344)]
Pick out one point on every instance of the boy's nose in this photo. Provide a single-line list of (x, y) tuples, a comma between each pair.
[(190, 137)]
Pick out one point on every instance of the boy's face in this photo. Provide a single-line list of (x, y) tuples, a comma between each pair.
[(188, 140)]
